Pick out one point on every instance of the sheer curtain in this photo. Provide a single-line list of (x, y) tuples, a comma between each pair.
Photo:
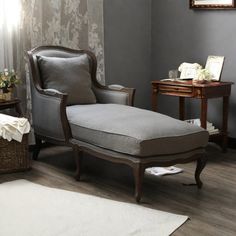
[(9, 22), (25, 24)]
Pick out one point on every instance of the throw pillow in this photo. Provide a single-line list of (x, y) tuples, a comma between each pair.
[(68, 75)]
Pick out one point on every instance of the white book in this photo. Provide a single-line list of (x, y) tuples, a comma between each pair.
[(159, 171), (211, 128), (215, 131), (197, 122)]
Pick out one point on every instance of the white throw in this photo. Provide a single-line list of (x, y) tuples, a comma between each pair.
[(13, 127)]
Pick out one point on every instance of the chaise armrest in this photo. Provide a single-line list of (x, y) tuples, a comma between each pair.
[(114, 94), (49, 114), (54, 93)]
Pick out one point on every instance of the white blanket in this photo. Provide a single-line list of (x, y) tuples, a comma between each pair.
[(13, 127)]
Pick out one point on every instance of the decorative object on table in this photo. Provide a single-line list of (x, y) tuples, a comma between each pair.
[(8, 80), (214, 65), (173, 74), (69, 213), (212, 4), (13, 144), (203, 76), (160, 171), (189, 70)]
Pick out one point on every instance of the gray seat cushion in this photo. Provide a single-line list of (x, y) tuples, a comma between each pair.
[(133, 131), (68, 75)]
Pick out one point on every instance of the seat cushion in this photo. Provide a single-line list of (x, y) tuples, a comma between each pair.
[(133, 131), (68, 75)]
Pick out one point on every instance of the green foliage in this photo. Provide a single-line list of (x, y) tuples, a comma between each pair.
[(8, 79)]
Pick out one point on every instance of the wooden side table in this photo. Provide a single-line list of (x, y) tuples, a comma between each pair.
[(14, 103), (188, 89)]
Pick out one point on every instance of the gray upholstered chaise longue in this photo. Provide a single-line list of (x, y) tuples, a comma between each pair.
[(71, 108)]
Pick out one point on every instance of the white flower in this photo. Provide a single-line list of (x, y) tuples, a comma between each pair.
[(203, 74), (6, 72)]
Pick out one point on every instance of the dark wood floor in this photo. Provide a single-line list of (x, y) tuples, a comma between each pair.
[(212, 210)]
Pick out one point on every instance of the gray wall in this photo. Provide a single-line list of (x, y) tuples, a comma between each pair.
[(180, 34), (144, 39), (127, 26)]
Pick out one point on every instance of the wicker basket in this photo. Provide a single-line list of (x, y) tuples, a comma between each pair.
[(14, 156)]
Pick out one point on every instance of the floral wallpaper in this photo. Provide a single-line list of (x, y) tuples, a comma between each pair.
[(70, 23)]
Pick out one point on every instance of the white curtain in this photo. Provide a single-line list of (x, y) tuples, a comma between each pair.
[(9, 22), (25, 24)]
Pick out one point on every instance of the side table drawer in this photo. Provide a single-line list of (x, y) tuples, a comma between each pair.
[(176, 90)]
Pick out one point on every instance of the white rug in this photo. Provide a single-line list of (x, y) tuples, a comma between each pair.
[(28, 209)]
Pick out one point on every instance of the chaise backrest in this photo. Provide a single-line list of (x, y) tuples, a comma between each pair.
[(60, 52), (49, 107)]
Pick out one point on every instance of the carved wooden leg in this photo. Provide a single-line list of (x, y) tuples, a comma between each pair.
[(37, 147), (78, 159), (138, 179), (201, 162), (224, 130)]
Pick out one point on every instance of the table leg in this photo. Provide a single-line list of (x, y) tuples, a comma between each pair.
[(204, 113), (224, 129), (154, 98), (181, 108)]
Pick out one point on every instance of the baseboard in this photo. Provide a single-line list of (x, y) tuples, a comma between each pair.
[(232, 143)]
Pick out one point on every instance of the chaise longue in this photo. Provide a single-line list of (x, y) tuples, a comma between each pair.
[(70, 107)]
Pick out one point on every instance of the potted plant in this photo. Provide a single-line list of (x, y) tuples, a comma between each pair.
[(8, 80)]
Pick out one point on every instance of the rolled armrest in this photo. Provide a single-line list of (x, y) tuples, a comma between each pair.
[(115, 94), (53, 92), (49, 114)]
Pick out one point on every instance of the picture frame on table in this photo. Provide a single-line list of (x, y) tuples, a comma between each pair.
[(214, 65), (212, 4)]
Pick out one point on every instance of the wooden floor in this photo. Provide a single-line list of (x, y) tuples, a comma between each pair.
[(212, 210)]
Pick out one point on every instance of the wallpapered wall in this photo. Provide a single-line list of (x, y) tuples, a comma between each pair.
[(70, 23)]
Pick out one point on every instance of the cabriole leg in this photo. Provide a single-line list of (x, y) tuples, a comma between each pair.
[(201, 163), (138, 179), (37, 147), (78, 159)]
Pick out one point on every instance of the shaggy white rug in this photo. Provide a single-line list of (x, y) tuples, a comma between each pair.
[(28, 209)]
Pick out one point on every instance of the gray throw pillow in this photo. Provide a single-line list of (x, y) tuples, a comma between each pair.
[(68, 75)]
